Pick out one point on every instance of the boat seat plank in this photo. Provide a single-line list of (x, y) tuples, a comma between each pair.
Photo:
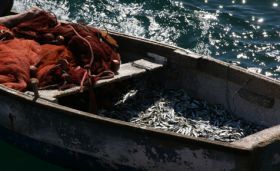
[(126, 71)]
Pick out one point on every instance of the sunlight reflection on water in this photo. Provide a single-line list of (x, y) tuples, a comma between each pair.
[(245, 33)]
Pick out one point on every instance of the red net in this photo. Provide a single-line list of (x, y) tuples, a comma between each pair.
[(15, 58), (64, 54)]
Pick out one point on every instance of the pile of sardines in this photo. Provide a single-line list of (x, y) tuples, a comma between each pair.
[(176, 111)]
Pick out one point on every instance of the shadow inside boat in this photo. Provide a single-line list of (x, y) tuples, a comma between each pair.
[(146, 102)]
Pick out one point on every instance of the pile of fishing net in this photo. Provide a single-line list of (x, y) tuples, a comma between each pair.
[(59, 55)]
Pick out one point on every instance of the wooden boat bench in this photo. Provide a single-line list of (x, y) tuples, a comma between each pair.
[(126, 71)]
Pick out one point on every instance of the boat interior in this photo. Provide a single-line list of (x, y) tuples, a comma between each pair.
[(149, 65)]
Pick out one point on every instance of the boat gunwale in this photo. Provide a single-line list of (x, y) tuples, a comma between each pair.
[(227, 71)]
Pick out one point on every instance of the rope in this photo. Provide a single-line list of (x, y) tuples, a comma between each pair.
[(87, 73), (109, 74), (91, 50)]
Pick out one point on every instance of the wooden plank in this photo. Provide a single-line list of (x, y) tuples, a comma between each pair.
[(126, 71)]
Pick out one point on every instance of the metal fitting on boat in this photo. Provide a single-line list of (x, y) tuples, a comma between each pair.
[(34, 82)]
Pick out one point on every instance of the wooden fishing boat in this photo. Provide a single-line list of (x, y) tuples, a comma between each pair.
[(53, 128)]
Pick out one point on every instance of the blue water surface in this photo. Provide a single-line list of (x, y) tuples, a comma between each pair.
[(243, 32)]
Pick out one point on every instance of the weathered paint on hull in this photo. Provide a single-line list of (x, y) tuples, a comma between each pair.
[(115, 146), (63, 157)]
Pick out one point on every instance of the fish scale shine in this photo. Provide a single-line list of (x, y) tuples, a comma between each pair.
[(176, 111)]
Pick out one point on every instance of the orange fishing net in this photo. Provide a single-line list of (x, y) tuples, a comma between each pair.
[(15, 58), (63, 54)]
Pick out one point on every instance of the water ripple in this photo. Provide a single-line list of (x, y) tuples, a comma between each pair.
[(245, 33)]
